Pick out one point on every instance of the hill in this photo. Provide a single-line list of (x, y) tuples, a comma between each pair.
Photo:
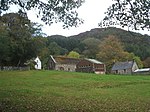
[(134, 42), (104, 32)]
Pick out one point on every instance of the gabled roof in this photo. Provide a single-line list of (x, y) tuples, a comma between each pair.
[(65, 60), (37, 58), (122, 65), (52, 58), (94, 61)]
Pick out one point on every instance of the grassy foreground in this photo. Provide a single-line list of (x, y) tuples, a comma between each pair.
[(53, 91)]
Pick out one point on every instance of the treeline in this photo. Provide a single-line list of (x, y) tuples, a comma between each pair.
[(88, 44), (21, 41)]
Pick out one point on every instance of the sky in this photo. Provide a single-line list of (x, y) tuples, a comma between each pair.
[(92, 12)]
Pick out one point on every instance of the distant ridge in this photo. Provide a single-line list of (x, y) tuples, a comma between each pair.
[(133, 42), (102, 32)]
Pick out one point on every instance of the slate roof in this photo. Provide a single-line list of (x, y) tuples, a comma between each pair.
[(94, 61), (122, 65)]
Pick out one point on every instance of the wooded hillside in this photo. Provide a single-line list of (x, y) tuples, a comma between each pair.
[(87, 43), (134, 42)]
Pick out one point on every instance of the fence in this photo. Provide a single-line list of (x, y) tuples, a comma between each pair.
[(11, 68)]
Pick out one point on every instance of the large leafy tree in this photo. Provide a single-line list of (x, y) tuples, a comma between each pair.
[(49, 11), (146, 62), (36, 30), (4, 44), (18, 28), (91, 47), (73, 54), (112, 50), (130, 13)]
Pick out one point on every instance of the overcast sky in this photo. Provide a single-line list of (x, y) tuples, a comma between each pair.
[(92, 12)]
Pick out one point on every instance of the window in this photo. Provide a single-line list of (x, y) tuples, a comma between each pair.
[(68, 69), (116, 71), (125, 70)]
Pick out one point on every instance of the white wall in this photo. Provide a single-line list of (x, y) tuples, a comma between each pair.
[(38, 64)]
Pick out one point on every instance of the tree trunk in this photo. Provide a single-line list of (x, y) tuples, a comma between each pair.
[(18, 63)]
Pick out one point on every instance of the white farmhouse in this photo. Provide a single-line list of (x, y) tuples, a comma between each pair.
[(38, 63)]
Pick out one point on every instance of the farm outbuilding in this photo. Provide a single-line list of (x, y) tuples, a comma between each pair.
[(127, 67), (91, 66), (142, 71), (62, 63)]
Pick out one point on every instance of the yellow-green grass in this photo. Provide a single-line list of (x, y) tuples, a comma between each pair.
[(53, 91)]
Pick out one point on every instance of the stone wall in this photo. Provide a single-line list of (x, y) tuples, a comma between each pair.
[(65, 67), (11, 68)]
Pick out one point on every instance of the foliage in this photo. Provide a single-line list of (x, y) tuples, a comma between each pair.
[(49, 11), (131, 13), (73, 54), (44, 49), (36, 30), (4, 45), (45, 91), (18, 37), (146, 62), (39, 43), (64, 42), (133, 42), (91, 47), (136, 59), (54, 48), (111, 50)]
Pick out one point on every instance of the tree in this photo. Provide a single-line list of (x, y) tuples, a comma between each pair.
[(111, 50), (49, 11), (91, 47), (131, 13), (146, 62), (73, 54), (132, 56), (36, 30), (54, 48), (18, 28), (4, 45), (39, 43)]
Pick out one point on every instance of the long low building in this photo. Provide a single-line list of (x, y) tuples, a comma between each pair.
[(142, 71), (91, 66), (73, 64)]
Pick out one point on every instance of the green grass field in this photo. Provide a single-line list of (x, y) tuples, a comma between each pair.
[(53, 91)]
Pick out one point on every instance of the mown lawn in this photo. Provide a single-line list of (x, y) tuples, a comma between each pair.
[(53, 91)]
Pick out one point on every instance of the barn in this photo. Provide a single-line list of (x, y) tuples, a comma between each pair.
[(91, 66), (62, 63)]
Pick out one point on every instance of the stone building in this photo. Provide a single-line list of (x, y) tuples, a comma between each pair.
[(62, 63), (127, 67)]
